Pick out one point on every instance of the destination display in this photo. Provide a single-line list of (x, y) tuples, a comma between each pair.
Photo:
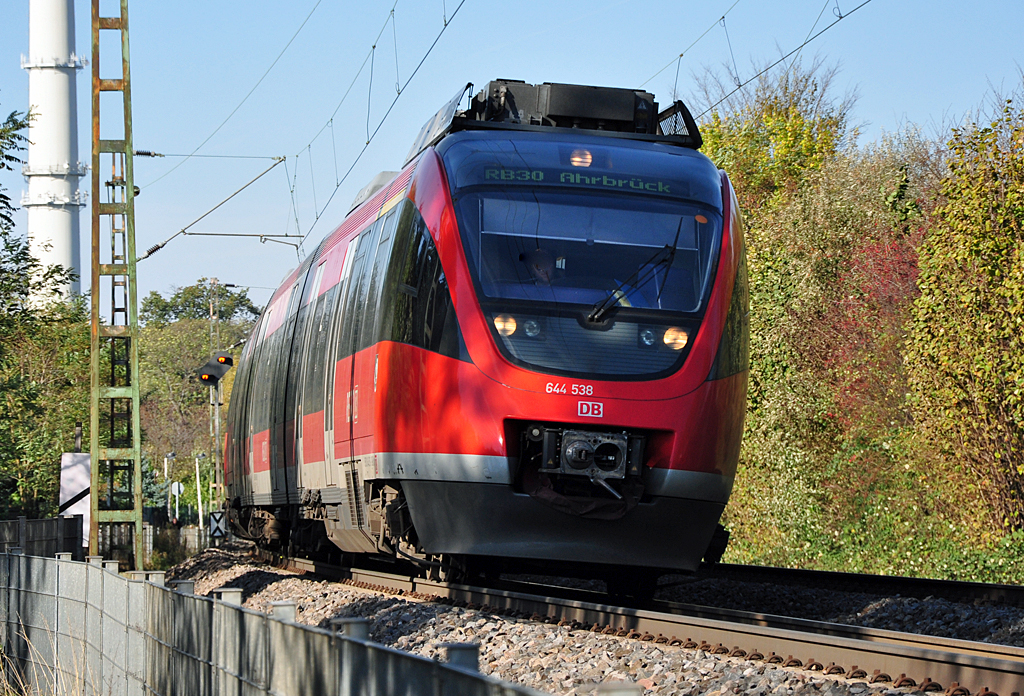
[(542, 161)]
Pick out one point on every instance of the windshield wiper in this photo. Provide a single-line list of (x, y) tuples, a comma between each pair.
[(649, 268)]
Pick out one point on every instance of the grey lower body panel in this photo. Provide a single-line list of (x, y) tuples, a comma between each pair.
[(493, 520)]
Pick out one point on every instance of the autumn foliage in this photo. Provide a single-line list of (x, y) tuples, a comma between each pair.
[(885, 426)]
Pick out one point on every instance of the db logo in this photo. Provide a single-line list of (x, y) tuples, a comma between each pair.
[(594, 409)]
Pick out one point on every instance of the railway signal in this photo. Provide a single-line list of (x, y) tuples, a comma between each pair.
[(215, 368)]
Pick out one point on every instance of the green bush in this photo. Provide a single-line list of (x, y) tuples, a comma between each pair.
[(965, 352)]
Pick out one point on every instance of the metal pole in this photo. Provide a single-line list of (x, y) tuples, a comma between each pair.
[(218, 468), (199, 491), (167, 475)]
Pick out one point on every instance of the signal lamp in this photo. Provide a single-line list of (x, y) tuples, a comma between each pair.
[(676, 338), (581, 158), (215, 368), (505, 324)]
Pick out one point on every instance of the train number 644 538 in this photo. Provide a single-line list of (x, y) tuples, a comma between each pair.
[(563, 388)]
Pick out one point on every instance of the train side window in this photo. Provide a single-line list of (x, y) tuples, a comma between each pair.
[(417, 306), (360, 284), (733, 354), (258, 419), (305, 327), (338, 312), (297, 354), (401, 288), (376, 281), (313, 389)]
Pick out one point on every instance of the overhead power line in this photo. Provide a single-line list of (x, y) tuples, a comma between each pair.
[(695, 41), (746, 82), (157, 247), (150, 153), (371, 136), (244, 99)]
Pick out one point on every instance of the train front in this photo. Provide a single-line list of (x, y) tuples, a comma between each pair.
[(600, 288)]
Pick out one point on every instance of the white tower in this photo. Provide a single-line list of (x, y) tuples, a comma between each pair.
[(53, 199)]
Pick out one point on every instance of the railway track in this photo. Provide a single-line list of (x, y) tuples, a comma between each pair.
[(884, 585), (927, 663)]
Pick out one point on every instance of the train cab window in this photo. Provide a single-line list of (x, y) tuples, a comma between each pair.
[(576, 248)]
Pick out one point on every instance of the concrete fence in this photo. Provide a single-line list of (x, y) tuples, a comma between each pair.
[(68, 627), (46, 537)]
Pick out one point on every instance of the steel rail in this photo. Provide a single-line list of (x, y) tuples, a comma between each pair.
[(953, 590), (955, 667)]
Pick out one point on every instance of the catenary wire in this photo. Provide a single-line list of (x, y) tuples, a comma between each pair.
[(807, 41), (728, 41), (813, 27), (244, 99), (695, 41), (148, 153), (157, 247), (383, 119)]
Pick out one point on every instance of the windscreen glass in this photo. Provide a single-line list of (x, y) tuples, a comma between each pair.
[(587, 249), (590, 259)]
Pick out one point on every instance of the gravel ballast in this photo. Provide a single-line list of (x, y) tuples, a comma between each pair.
[(560, 660)]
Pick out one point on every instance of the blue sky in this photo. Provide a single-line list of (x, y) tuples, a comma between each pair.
[(911, 62)]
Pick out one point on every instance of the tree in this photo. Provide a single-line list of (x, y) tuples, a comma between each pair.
[(175, 342), (832, 233), (44, 361), (771, 137), (965, 353), (193, 302), (11, 139)]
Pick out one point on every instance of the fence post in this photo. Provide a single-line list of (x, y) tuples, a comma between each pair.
[(358, 628), (22, 531), (464, 655), (230, 595), (112, 566), (187, 587), (283, 611)]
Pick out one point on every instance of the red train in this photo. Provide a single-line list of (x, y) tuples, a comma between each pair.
[(529, 348)]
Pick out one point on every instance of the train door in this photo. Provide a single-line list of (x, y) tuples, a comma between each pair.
[(281, 344), (365, 366), (237, 477), (332, 385), (301, 358), (259, 415), (346, 406), (310, 378)]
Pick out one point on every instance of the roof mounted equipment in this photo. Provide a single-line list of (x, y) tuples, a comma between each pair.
[(516, 105)]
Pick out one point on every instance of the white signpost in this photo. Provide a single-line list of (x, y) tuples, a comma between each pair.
[(177, 488)]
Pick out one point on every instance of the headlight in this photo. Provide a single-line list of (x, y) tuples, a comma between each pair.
[(505, 324), (531, 327), (581, 158), (647, 337), (676, 338)]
